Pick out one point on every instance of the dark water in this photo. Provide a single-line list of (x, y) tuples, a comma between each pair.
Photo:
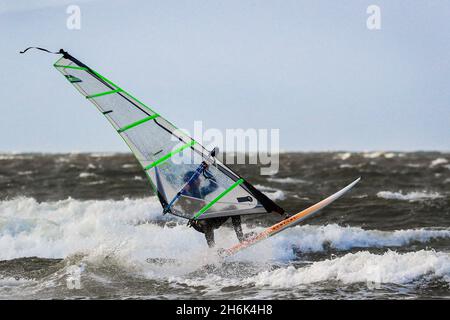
[(83, 226)]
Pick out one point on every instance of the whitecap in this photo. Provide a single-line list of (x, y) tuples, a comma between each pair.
[(390, 267), (410, 196), (86, 175), (438, 162), (287, 180)]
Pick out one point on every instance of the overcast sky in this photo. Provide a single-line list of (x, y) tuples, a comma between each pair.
[(310, 68)]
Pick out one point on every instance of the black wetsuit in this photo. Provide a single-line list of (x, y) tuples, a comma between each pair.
[(207, 226)]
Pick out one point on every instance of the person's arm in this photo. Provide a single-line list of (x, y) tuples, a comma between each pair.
[(211, 187)]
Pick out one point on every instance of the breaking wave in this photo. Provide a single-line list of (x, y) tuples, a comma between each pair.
[(390, 267), (410, 196), (134, 229), (286, 180), (438, 162)]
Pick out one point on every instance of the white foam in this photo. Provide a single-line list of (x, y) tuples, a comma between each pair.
[(24, 173), (364, 266), (313, 238), (272, 193), (264, 188), (276, 195), (86, 175), (343, 156), (372, 155), (287, 180), (13, 282), (438, 162), (12, 156), (410, 196), (92, 183), (58, 229), (103, 154), (62, 228), (95, 229)]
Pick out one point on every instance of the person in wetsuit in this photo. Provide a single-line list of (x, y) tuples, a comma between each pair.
[(207, 226)]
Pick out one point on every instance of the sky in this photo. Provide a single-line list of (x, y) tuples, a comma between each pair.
[(309, 68)]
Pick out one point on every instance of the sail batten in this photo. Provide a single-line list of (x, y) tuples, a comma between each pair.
[(169, 155), (103, 93), (134, 124)]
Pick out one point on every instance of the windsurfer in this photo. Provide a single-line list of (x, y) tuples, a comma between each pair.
[(208, 225)]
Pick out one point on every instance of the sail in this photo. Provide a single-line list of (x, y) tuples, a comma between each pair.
[(187, 179)]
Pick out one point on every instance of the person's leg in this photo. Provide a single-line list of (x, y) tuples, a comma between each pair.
[(236, 221), (209, 235)]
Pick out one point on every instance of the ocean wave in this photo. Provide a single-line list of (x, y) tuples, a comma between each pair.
[(61, 228), (390, 267), (438, 162), (309, 238), (410, 196), (275, 195), (13, 281), (86, 175), (24, 173), (377, 154), (13, 156), (272, 193), (103, 154), (92, 183), (342, 156), (131, 229), (264, 188), (287, 180), (372, 155)]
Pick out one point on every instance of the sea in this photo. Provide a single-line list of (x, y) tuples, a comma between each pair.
[(87, 226)]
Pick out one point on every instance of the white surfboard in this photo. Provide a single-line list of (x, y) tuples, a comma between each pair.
[(289, 222)]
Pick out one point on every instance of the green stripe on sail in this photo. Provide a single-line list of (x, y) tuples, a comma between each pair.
[(134, 124), (170, 154), (103, 93), (115, 85), (70, 67), (220, 196)]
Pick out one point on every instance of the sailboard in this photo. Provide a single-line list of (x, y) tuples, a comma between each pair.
[(287, 223), (170, 158)]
